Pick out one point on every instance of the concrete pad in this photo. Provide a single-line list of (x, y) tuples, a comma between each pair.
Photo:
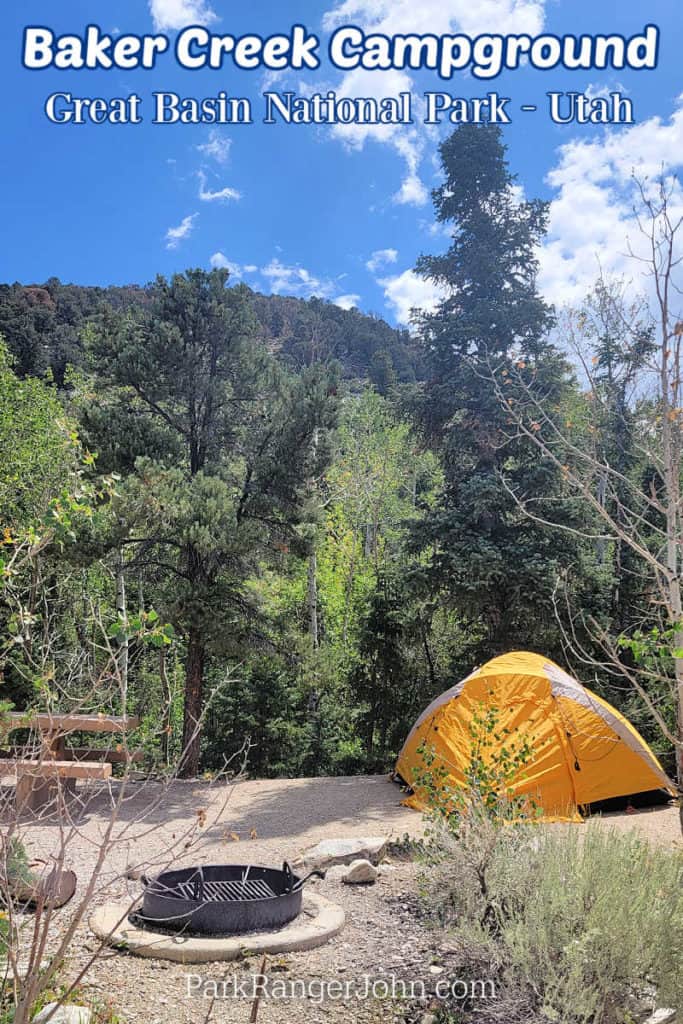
[(319, 921)]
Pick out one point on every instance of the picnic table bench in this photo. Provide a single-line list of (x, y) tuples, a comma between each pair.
[(53, 773)]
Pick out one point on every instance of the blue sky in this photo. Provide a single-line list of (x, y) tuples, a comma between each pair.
[(311, 210)]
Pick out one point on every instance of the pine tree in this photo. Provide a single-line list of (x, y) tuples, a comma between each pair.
[(493, 563), (218, 445)]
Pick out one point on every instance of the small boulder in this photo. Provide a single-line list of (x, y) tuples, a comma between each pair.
[(344, 851), (64, 1014), (360, 872), (335, 873)]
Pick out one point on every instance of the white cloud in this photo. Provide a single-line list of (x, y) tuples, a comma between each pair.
[(347, 301), (440, 16), (389, 17), (172, 14), (380, 258), (174, 236), (592, 223), (380, 85), (220, 262), (273, 77), (407, 291), (295, 280), (601, 90), (436, 229), (217, 147), (409, 142), (237, 270), (412, 192), (223, 195)]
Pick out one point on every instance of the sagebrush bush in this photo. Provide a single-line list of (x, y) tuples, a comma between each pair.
[(581, 925)]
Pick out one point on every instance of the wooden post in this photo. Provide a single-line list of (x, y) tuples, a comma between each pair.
[(36, 794)]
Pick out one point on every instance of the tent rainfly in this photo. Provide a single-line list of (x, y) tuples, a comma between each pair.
[(583, 750)]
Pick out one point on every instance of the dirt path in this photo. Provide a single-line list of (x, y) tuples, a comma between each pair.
[(266, 821)]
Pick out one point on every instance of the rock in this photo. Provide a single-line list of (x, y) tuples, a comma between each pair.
[(335, 873), (360, 872), (344, 851), (429, 1018), (64, 1014)]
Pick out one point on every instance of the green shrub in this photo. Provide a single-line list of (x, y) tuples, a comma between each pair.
[(498, 758), (582, 926), (14, 861)]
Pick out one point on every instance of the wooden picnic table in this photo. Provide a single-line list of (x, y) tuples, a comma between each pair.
[(41, 779)]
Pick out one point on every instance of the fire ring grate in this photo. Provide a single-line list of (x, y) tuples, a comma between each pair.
[(223, 899)]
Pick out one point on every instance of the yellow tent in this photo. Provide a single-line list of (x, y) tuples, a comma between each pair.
[(583, 750)]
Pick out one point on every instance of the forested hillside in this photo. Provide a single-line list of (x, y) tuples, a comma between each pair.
[(42, 325), (296, 524)]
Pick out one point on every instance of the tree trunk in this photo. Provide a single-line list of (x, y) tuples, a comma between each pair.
[(601, 495), (670, 382), (370, 540), (370, 733), (194, 682), (313, 572), (428, 655), (122, 654), (679, 733), (167, 697), (348, 592), (676, 612), (313, 600), (33, 598)]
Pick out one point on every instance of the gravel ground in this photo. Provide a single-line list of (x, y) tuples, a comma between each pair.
[(264, 821)]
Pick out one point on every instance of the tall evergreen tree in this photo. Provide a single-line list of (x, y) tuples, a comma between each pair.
[(219, 443), (496, 565)]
